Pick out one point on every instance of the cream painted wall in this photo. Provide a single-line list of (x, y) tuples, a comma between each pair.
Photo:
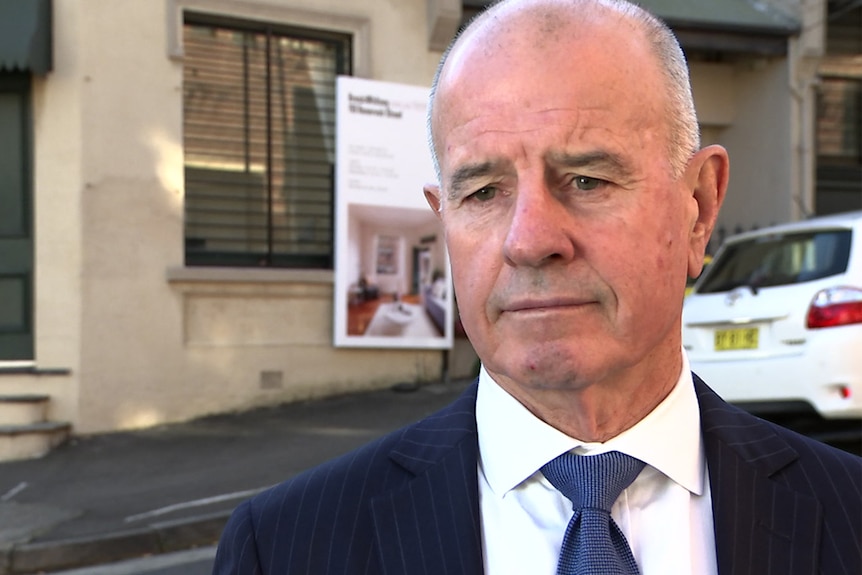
[(399, 47), (760, 143), (132, 352), (57, 182), (767, 123), (758, 109), (714, 93), (145, 340)]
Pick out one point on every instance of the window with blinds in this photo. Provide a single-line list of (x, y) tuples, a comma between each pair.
[(259, 143), (839, 120), (839, 111)]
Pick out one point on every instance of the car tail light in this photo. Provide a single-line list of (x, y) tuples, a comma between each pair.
[(835, 306)]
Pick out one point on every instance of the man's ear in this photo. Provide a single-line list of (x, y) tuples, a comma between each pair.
[(432, 196), (706, 177)]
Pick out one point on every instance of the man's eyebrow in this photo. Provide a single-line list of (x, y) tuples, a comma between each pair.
[(467, 173), (601, 159)]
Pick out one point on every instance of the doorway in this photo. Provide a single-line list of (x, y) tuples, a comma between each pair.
[(16, 227)]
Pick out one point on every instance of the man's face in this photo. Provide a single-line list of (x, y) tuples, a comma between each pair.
[(568, 233)]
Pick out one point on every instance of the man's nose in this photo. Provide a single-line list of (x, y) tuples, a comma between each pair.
[(538, 230)]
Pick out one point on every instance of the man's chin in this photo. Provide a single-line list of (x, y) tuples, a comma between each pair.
[(543, 372)]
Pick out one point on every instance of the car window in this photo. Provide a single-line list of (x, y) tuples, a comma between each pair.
[(779, 259)]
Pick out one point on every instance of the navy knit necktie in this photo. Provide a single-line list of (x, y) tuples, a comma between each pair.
[(594, 544)]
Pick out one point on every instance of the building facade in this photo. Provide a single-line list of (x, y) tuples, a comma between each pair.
[(167, 223)]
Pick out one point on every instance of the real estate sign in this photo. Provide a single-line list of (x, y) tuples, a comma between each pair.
[(392, 283)]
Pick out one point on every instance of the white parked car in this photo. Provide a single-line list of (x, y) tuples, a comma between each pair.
[(775, 322)]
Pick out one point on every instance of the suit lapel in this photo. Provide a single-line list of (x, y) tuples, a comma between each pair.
[(431, 525), (761, 526)]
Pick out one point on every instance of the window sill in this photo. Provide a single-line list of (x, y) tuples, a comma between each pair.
[(247, 275)]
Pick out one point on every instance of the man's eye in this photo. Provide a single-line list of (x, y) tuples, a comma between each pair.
[(586, 183), (484, 194)]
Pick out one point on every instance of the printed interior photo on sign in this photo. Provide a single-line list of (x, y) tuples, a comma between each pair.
[(397, 273), (392, 281)]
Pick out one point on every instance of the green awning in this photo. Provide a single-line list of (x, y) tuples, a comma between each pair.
[(25, 36), (728, 26), (723, 15)]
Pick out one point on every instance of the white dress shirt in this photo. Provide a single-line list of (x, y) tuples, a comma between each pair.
[(666, 514)]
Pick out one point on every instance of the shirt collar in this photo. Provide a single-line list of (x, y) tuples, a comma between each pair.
[(514, 444)]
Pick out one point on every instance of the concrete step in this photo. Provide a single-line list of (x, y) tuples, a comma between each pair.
[(23, 409), (31, 440)]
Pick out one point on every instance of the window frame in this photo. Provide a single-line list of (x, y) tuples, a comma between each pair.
[(343, 34)]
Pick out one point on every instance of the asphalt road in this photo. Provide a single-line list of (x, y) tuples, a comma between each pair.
[(846, 435), (192, 562)]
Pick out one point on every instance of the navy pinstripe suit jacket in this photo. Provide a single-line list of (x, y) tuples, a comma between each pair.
[(408, 504)]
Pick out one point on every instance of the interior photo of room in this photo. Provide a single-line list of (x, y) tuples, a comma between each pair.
[(397, 273)]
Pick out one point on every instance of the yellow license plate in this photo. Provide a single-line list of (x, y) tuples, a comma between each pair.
[(740, 338)]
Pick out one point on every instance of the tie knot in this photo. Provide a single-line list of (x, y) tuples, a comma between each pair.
[(592, 480)]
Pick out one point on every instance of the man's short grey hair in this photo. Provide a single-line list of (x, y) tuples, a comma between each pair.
[(683, 129)]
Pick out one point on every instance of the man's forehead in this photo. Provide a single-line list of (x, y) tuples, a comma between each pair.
[(602, 136), (577, 122), (482, 91)]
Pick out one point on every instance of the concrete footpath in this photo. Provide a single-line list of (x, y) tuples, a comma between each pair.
[(115, 496)]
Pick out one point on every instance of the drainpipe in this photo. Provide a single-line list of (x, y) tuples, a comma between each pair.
[(802, 90), (804, 55)]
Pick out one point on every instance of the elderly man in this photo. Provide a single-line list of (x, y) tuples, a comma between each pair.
[(575, 201)]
